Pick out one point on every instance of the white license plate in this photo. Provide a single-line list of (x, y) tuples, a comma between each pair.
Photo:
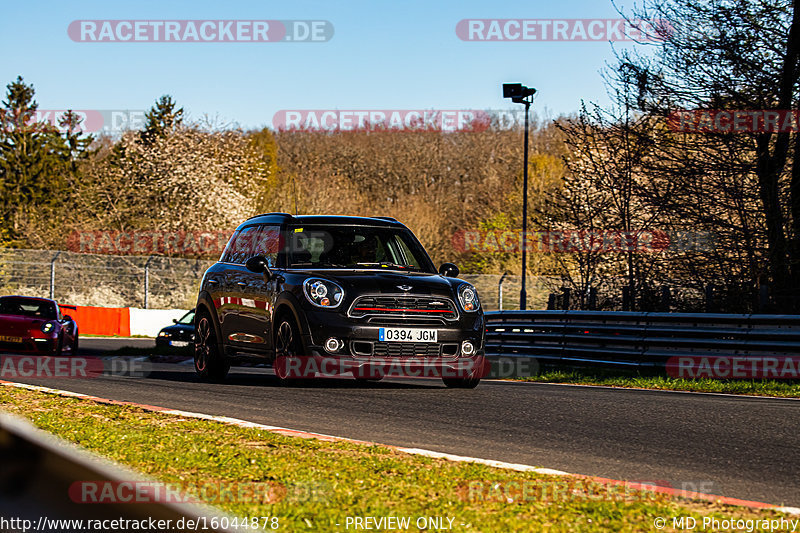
[(407, 335), (179, 344)]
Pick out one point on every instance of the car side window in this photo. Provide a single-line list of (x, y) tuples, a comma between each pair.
[(267, 242), (254, 240), (228, 253), (242, 245)]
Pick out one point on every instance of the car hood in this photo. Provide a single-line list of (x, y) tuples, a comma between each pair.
[(18, 326), (383, 282), (177, 328)]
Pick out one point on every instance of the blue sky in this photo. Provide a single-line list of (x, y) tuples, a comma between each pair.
[(384, 55)]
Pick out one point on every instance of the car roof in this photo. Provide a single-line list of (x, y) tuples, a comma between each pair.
[(33, 298), (326, 220)]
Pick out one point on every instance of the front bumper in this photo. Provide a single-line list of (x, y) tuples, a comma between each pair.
[(364, 355), (359, 338), (168, 343), (30, 345)]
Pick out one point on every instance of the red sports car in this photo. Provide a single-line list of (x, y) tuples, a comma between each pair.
[(35, 325)]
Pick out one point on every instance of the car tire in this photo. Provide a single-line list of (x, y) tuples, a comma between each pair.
[(287, 345), (367, 381), (74, 347), (461, 383), (469, 382), (209, 361), (472, 379), (364, 376)]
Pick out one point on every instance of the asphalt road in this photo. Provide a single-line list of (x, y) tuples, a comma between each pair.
[(732, 446)]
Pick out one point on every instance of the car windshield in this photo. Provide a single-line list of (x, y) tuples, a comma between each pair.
[(28, 307), (356, 247), (187, 318)]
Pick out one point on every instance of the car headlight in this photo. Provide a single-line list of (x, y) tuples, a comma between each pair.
[(47, 327), (162, 333), (323, 293), (468, 298)]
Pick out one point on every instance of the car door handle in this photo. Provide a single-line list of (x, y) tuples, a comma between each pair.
[(213, 281), (241, 283)]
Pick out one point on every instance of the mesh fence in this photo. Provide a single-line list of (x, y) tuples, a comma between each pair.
[(159, 282), (538, 289), (102, 280)]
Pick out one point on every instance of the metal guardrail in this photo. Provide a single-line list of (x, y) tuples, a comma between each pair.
[(38, 470), (636, 340)]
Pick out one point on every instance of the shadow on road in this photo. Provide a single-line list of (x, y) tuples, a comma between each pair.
[(265, 377)]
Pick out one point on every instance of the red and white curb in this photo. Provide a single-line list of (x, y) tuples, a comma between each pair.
[(414, 451)]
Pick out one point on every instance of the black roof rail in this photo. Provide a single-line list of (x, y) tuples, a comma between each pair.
[(267, 214)]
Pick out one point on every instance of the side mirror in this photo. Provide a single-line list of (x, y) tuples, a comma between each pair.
[(258, 263), (174, 320), (449, 270), (66, 318)]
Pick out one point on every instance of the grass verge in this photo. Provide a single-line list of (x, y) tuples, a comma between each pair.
[(325, 482), (782, 389)]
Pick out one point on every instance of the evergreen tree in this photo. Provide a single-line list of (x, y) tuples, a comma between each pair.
[(162, 118), (34, 159)]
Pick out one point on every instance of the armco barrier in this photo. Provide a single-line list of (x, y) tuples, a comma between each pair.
[(641, 341), (38, 471)]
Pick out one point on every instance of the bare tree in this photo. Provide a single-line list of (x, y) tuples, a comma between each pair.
[(730, 55)]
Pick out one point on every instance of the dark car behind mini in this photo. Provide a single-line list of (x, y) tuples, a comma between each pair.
[(178, 337)]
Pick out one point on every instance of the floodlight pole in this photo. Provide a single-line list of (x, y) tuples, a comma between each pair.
[(523, 295), (520, 94)]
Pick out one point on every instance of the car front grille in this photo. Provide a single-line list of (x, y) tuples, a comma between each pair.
[(404, 308), (406, 321), (406, 349), (403, 349)]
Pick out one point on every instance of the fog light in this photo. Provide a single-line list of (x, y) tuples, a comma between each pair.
[(333, 344), (467, 348)]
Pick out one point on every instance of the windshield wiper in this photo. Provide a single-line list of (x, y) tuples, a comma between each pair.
[(389, 264), (318, 265)]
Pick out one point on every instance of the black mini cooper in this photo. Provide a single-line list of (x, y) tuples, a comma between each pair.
[(331, 295)]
